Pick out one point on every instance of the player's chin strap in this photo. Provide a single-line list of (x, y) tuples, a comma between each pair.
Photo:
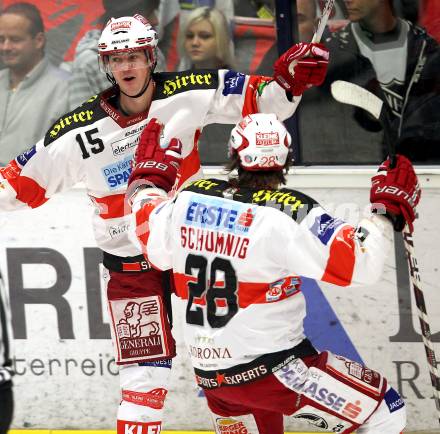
[(142, 91)]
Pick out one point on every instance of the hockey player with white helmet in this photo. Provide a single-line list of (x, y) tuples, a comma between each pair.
[(95, 144), (237, 249)]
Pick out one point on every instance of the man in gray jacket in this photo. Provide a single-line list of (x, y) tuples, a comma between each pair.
[(33, 92)]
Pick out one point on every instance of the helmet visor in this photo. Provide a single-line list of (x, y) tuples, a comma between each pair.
[(124, 60)]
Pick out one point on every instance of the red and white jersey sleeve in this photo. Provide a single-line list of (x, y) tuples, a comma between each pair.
[(334, 251), (238, 258), (240, 94), (37, 174)]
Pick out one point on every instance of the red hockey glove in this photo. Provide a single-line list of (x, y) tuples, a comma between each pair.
[(398, 190), (156, 165), (301, 67)]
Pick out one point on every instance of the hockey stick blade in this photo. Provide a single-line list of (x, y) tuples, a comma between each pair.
[(323, 21), (352, 94)]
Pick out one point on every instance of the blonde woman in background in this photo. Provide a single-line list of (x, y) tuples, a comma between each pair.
[(205, 40)]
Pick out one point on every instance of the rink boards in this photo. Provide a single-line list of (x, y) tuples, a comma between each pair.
[(65, 375)]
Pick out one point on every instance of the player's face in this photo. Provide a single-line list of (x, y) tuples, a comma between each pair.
[(19, 49), (200, 44), (131, 70), (361, 9)]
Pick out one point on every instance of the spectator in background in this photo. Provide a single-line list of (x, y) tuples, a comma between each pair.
[(205, 43), (225, 6), (400, 63), (205, 40), (87, 79), (33, 92), (6, 371)]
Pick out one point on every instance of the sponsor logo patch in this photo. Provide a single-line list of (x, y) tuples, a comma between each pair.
[(130, 140), (219, 215), (393, 400), (278, 198), (138, 328), (362, 373), (116, 231), (74, 118), (116, 175), (154, 398), (231, 426), (267, 139), (324, 227), (121, 25), (310, 383), (283, 288), (166, 363), (233, 379), (234, 82), (274, 293), (128, 427), (321, 419), (187, 82), (209, 353)]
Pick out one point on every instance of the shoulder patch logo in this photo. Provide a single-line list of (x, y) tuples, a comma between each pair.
[(324, 227), (25, 156), (234, 83)]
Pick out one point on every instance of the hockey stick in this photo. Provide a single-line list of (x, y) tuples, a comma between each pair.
[(350, 93), (323, 21)]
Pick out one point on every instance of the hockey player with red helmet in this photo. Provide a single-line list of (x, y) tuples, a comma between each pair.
[(237, 249), (95, 143)]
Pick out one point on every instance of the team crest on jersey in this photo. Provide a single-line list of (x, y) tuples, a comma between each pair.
[(216, 214), (116, 175)]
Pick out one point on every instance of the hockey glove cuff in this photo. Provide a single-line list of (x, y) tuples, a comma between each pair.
[(398, 191)]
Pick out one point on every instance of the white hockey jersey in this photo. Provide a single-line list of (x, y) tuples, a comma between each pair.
[(237, 258), (95, 144)]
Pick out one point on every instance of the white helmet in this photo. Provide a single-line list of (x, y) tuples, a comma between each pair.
[(261, 141), (125, 35)]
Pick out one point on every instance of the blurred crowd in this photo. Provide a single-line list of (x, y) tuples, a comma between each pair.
[(378, 44)]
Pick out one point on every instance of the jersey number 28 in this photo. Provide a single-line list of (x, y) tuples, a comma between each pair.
[(214, 290)]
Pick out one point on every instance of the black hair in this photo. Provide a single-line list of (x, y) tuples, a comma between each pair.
[(29, 11)]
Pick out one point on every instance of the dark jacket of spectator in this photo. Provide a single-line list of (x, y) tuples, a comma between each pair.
[(417, 130)]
